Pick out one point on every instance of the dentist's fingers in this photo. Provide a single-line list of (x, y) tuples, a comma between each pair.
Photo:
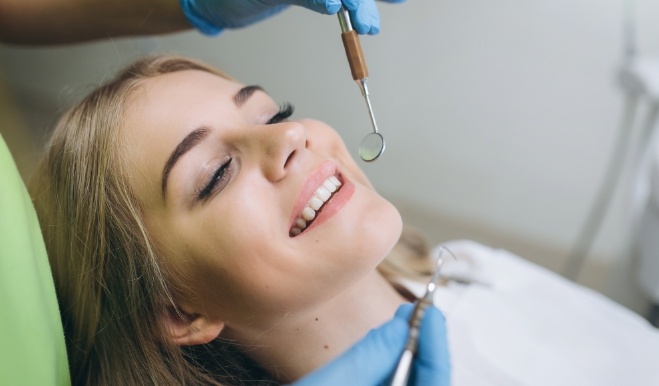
[(212, 16), (363, 13), (326, 7), (366, 18), (432, 364)]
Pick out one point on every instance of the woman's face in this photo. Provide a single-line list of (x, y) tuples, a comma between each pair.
[(224, 178)]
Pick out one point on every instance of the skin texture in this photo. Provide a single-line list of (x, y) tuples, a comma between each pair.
[(58, 22), (240, 272)]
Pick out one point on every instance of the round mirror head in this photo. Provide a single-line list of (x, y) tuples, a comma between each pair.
[(371, 147)]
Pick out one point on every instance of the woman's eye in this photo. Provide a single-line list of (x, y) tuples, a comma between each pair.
[(218, 180), (285, 112)]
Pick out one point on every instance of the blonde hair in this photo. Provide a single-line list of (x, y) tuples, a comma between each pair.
[(114, 290), (112, 287)]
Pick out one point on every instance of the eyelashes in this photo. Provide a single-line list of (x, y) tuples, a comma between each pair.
[(222, 174), (219, 178), (285, 112)]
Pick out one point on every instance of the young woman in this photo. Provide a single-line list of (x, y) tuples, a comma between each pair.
[(197, 235)]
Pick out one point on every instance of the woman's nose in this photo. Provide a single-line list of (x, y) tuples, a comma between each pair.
[(281, 145)]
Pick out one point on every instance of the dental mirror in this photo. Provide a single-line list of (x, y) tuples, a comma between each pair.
[(371, 147)]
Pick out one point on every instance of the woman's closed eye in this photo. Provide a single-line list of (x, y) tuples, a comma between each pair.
[(285, 112), (222, 174), (217, 180)]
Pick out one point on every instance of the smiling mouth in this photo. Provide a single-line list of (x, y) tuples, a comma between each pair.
[(321, 196)]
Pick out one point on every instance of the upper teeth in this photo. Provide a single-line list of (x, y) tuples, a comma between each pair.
[(320, 197)]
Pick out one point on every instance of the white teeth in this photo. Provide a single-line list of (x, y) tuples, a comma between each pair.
[(308, 214), (322, 194), (330, 186), (315, 203)]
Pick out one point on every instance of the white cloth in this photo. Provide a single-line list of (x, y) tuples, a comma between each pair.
[(528, 326)]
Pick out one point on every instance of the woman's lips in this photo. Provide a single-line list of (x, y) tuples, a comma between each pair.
[(312, 206)]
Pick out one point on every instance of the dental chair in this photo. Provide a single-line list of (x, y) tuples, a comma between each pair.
[(32, 348)]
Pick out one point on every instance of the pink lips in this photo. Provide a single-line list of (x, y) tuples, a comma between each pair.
[(335, 203)]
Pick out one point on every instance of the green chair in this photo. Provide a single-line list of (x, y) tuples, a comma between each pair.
[(32, 348)]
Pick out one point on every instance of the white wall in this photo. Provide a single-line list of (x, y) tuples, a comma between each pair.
[(499, 113)]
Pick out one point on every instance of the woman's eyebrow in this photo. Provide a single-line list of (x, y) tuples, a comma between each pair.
[(190, 141), (244, 93), (196, 136)]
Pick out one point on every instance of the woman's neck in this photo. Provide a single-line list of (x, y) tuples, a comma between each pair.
[(300, 343)]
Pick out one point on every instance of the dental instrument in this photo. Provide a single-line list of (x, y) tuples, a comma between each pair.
[(373, 144), (402, 373)]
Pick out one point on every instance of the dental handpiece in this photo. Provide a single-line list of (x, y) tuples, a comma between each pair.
[(402, 374), (373, 144)]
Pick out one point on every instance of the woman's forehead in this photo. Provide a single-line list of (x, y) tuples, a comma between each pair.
[(181, 83), (177, 98)]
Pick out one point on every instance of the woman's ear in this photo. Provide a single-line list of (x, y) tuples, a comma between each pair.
[(187, 329)]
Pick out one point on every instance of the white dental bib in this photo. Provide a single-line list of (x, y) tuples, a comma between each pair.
[(525, 325)]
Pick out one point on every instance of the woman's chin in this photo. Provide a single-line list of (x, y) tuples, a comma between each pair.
[(391, 232), (380, 234)]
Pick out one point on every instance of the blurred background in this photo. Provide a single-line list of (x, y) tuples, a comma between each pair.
[(500, 117)]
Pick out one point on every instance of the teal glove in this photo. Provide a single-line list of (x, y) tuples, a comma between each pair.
[(212, 16), (372, 360)]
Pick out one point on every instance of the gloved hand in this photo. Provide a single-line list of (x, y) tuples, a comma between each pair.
[(372, 360), (212, 16)]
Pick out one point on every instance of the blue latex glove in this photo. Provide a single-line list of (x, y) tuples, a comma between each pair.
[(212, 16), (372, 360)]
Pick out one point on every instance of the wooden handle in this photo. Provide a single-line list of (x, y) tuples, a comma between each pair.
[(355, 56)]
